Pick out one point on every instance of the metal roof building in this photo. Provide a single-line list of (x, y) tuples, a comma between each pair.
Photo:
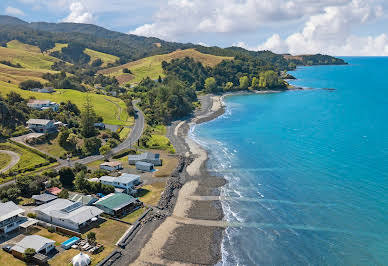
[(117, 204)]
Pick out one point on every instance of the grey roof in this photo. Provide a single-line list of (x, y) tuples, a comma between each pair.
[(33, 241), (144, 156), (66, 209), (39, 102), (144, 164), (38, 121), (8, 210), (124, 178), (45, 197), (84, 199)]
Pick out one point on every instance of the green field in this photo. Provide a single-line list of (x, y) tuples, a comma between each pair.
[(124, 133), (5, 159), (113, 110), (105, 58), (152, 67)]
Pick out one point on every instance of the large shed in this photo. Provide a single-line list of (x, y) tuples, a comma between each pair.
[(117, 204)]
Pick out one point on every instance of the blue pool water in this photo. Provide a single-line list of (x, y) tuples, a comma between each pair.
[(307, 170)]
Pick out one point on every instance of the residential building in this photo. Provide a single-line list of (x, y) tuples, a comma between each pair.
[(40, 244), (125, 183), (111, 166), (43, 105), (41, 125), (44, 90), (85, 200), (43, 198), (9, 217), (118, 204), (67, 214), (143, 166), (100, 126), (147, 157)]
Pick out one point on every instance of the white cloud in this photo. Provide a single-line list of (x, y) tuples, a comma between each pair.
[(79, 14), (13, 11), (331, 32)]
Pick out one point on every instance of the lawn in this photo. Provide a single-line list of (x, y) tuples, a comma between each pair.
[(105, 58), (59, 239), (113, 110), (132, 217), (124, 133), (160, 142), (8, 259), (28, 159), (150, 194), (95, 165), (5, 159), (152, 66), (52, 147), (169, 164)]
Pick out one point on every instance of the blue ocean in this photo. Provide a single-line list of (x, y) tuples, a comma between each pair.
[(307, 170)]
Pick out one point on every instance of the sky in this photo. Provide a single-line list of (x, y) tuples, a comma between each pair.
[(335, 27)]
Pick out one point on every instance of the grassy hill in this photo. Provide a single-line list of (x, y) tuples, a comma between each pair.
[(113, 110), (105, 58), (152, 66)]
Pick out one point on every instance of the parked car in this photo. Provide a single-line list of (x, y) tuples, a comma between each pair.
[(7, 248)]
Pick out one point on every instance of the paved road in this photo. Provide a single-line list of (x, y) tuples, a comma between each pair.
[(136, 132), (14, 160)]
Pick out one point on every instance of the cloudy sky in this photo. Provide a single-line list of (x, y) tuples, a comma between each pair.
[(336, 27)]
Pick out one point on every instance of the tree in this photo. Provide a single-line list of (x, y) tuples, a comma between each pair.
[(14, 97), (91, 237), (80, 182), (30, 84), (126, 71), (62, 138), (28, 254), (13, 193), (210, 85), (64, 194), (105, 150), (255, 83), (244, 83), (160, 79), (92, 146), (228, 86), (96, 63), (88, 119), (270, 79), (66, 176)]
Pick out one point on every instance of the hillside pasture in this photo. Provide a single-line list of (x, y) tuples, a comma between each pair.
[(113, 110), (152, 66), (105, 58), (17, 75)]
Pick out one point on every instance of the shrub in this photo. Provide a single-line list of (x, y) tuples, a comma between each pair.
[(28, 254), (51, 229), (31, 215)]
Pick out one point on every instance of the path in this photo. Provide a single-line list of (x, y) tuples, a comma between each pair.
[(14, 160)]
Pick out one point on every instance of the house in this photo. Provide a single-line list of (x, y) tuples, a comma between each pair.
[(147, 157), (9, 217), (125, 183), (43, 105), (43, 198), (111, 166), (41, 125), (40, 244), (118, 204), (67, 214), (100, 126), (54, 191), (143, 166), (44, 90), (85, 200)]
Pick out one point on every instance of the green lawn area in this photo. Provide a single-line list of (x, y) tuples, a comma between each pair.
[(150, 194), (8, 259), (169, 164), (105, 106), (132, 217), (27, 159), (105, 58), (124, 133), (52, 147), (95, 165), (5, 159)]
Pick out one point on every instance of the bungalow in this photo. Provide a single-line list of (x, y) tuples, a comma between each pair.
[(9, 217), (43, 105), (41, 125), (143, 166), (117, 204), (125, 183), (111, 166), (54, 191), (40, 244), (43, 198), (67, 214), (147, 157)]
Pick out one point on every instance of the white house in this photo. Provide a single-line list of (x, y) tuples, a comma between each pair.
[(39, 243), (44, 90), (41, 125), (43, 105), (111, 166), (68, 214), (125, 183), (147, 157), (9, 217)]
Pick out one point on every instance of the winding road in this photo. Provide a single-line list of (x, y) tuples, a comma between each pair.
[(136, 132), (14, 160)]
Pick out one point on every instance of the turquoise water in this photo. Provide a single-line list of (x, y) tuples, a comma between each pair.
[(307, 170)]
